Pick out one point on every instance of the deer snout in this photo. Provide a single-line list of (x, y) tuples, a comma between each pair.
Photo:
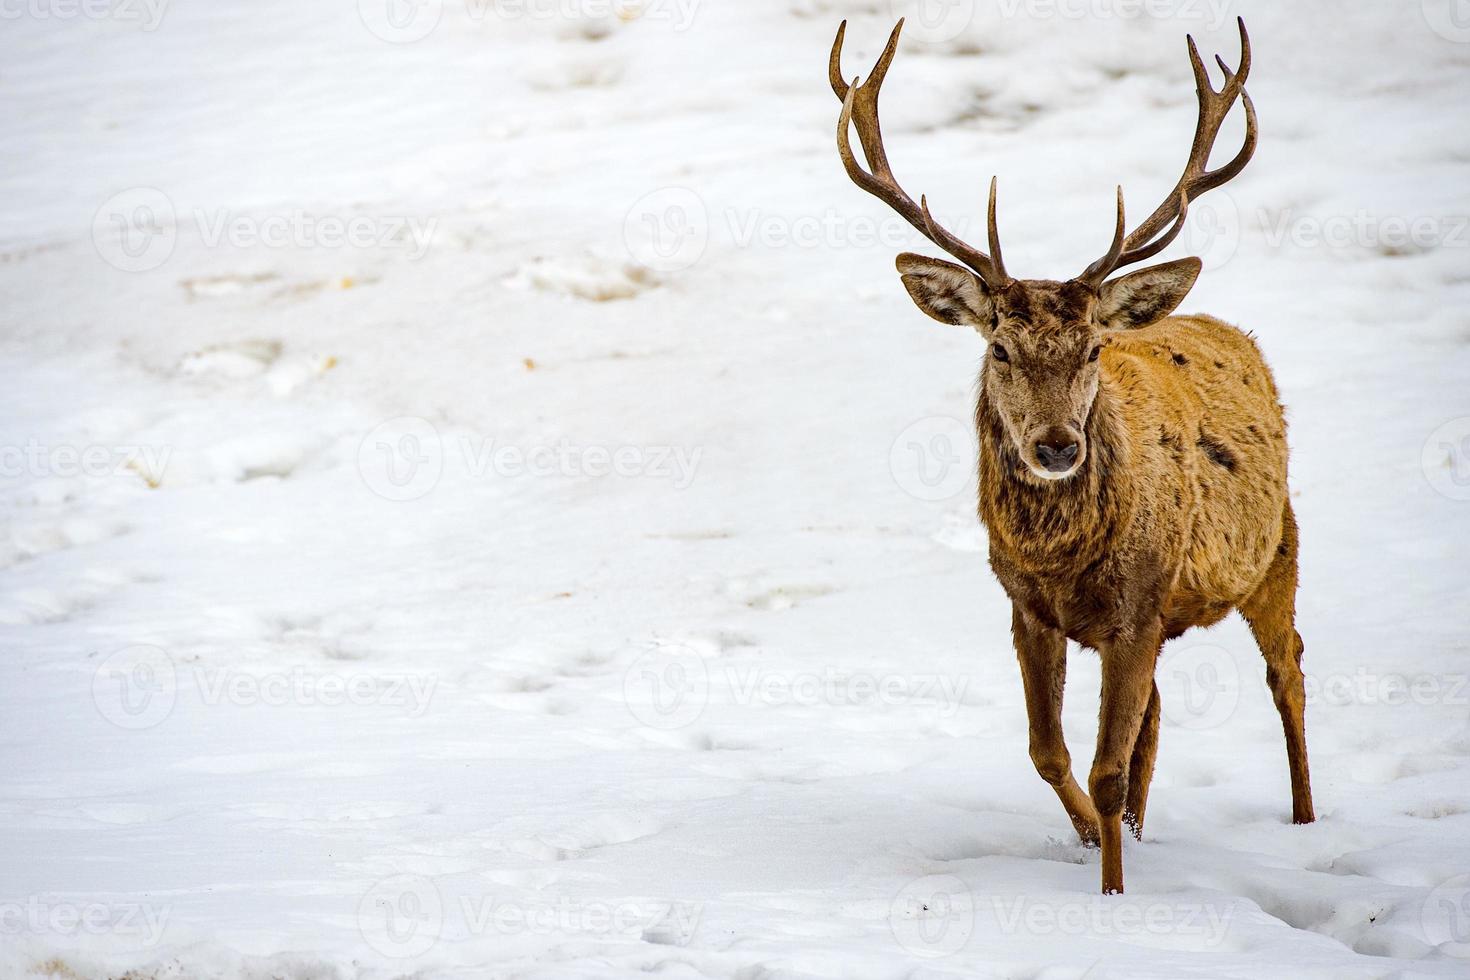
[(1057, 451)]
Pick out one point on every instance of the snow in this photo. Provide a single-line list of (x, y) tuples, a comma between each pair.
[(489, 508)]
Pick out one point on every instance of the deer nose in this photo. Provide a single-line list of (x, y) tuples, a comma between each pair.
[(1057, 452)]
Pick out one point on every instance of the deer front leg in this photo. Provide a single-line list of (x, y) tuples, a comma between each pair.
[(1042, 654), (1127, 683)]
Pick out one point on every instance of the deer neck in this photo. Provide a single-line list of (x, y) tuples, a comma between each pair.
[(1051, 525)]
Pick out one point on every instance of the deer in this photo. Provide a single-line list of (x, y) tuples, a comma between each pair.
[(1132, 465)]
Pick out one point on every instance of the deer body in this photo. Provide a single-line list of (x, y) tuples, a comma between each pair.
[(1132, 472), (1185, 491)]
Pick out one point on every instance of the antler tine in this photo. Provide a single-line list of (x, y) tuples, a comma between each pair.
[(1162, 242), (860, 109), (1098, 271), (834, 63), (1146, 241), (993, 234)]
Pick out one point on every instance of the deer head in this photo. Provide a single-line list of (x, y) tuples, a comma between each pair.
[(1041, 369)]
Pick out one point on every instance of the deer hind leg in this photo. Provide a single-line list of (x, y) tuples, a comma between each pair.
[(1271, 613), (1127, 683), (1141, 766), (1042, 654)]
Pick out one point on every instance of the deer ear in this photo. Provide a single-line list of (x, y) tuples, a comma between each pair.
[(1146, 296), (947, 292)]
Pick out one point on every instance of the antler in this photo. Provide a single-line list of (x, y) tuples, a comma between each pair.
[(860, 107), (1145, 241)]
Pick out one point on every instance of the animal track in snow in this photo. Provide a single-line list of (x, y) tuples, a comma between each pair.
[(229, 284), (27, 541), (590, 278), (1437, 810), (787, 596), (576, 73), (580, 839)]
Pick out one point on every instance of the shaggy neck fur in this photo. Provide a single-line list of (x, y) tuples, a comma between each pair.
[(1048, 525)]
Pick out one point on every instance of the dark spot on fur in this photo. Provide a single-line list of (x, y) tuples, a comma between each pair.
[(1180, 359), (1217, 452), (1172, 442), (1246, 380), (1220, 365)]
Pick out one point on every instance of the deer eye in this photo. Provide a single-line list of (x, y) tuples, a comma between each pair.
[(1094, 355), (999, 353)]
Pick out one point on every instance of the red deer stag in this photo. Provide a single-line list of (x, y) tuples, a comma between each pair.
[(1132, 464)]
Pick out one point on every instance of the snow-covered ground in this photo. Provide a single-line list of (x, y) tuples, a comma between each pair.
[(478, 502)]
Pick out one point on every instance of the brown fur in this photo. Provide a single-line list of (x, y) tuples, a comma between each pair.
[(1174, 513), (1131, 493), (1185, 490)]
